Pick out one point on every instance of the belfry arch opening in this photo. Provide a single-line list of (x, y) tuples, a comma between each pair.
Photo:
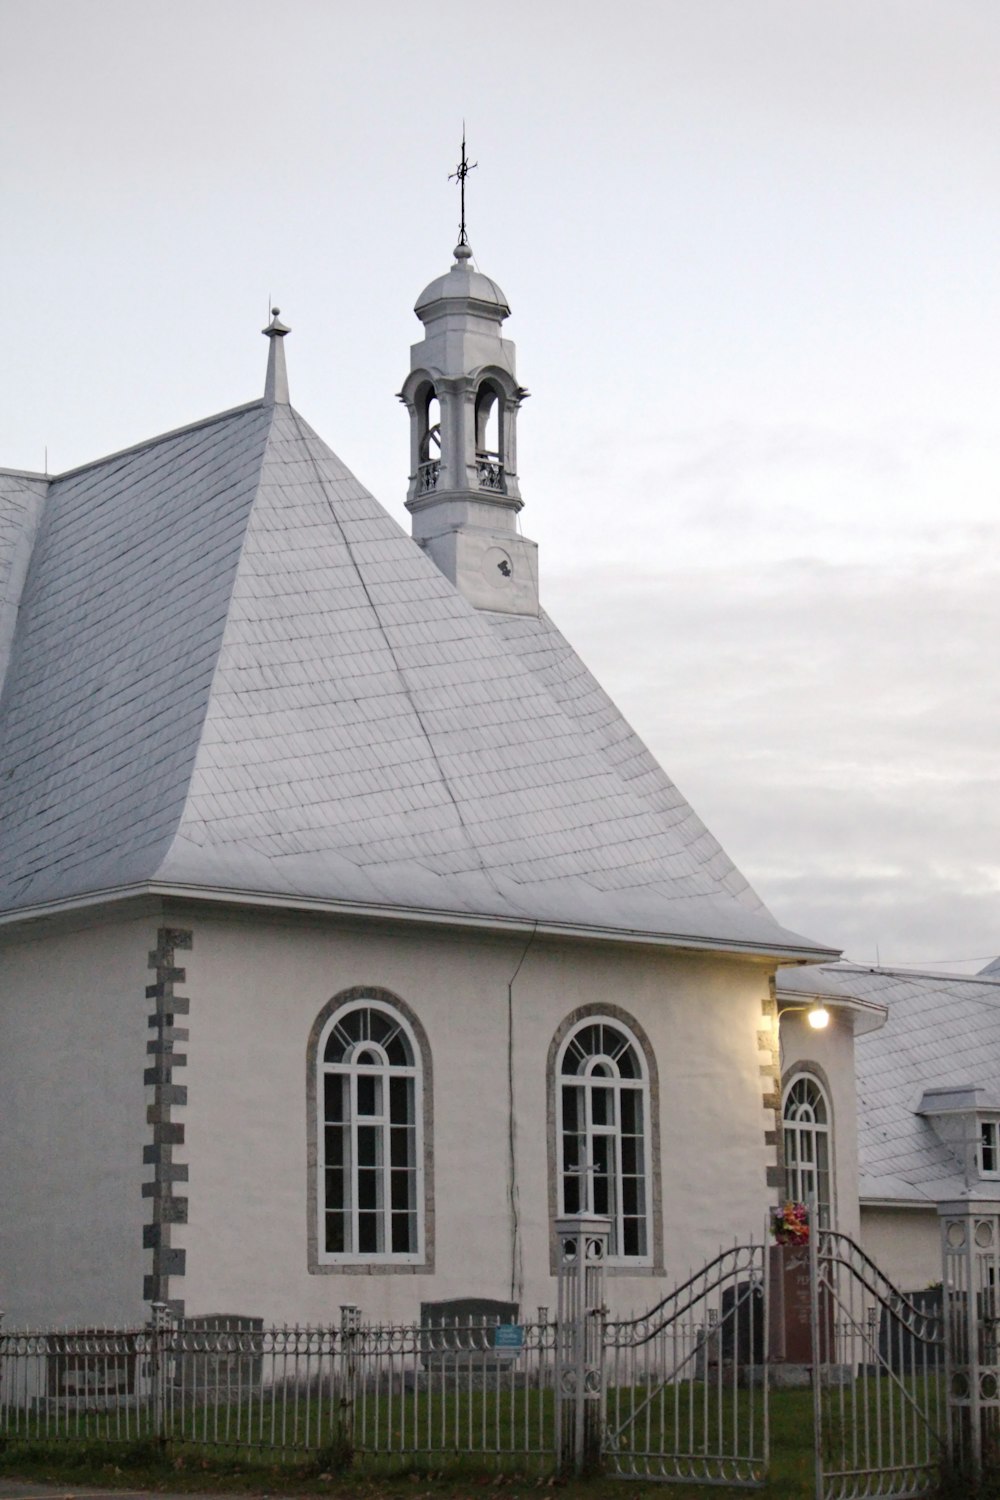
[(428, 411), (489, 436), (489, 403), (430, 425)]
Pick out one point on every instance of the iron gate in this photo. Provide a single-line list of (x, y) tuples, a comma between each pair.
[(879, 1386), (686, 1388)]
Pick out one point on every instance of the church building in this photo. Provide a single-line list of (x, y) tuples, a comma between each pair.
[(348, 933)]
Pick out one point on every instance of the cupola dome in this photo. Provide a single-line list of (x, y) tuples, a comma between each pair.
[(462, 289)]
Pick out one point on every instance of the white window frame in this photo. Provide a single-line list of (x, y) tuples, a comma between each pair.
[(381, 1071), (601, 1071), (807, 1139), (988, 1140)]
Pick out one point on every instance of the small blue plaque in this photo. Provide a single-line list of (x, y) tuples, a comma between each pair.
[(508, 1336)]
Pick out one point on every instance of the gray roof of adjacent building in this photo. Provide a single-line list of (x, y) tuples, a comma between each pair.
[(232, 674), (942, 1038)]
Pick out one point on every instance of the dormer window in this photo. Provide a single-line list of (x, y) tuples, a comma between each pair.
[(989, 1148)]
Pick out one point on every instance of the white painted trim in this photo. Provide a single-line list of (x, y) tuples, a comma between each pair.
[(927, 1204), (427, 915)]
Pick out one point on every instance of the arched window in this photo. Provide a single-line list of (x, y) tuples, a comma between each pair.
[(807, 1145), (369, 1161), (603, 1132)]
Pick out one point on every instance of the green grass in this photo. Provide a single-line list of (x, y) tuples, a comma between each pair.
[(186, 1461)]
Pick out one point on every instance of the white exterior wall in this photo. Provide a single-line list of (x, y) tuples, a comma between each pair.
[(830, 1055), (905, 1244), (72, 1122), (256, 986)]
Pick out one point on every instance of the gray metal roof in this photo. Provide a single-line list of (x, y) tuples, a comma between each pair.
[(234, 673), (943, 1032)]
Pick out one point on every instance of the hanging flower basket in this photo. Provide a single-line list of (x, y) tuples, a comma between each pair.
[(790, 1224)]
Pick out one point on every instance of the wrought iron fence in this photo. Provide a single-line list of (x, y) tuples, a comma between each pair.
[(681, 1393), (366, 1391)]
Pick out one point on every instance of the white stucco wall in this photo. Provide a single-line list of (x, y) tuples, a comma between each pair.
[(830, 1055), (72, 1121), (73, 1038), (256, 987), (905, 1243)]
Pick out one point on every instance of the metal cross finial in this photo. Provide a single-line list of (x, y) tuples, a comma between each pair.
[(459, 175)]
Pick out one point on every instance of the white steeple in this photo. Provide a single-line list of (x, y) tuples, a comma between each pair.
[(463, 398), (276, 380)]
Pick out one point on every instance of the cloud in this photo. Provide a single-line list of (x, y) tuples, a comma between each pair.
[(835, 725)]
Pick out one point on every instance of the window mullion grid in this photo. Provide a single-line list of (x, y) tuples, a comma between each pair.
[(364, 1118)]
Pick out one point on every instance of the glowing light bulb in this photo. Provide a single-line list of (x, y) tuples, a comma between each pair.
[(819, 1017)]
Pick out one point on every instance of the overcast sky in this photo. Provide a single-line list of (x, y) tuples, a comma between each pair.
[(751, 252)]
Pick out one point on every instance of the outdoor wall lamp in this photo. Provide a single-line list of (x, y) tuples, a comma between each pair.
[(816, 1014)]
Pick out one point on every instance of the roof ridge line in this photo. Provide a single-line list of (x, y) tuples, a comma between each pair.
[(444, 779), (152, 442), (270, 410), (915, 973)]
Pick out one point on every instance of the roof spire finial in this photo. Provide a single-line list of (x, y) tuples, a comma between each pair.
[(276, 383), (459, 175)]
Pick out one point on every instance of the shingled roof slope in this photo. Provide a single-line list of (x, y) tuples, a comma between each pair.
[(270, 691), (943, 1031), (118, 633)]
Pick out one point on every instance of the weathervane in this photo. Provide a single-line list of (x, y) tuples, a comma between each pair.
[(459, 175)]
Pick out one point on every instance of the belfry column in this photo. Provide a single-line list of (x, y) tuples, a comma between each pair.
[(463, 398)]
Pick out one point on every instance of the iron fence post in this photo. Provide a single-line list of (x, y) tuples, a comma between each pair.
[(350, 1325), (583, 1249), (765, 1350), (970, 1277), (159, 1329)]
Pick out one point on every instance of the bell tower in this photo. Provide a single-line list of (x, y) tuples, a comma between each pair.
[(463, 398)]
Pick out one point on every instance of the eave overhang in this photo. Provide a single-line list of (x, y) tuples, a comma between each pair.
[(426, 916)]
